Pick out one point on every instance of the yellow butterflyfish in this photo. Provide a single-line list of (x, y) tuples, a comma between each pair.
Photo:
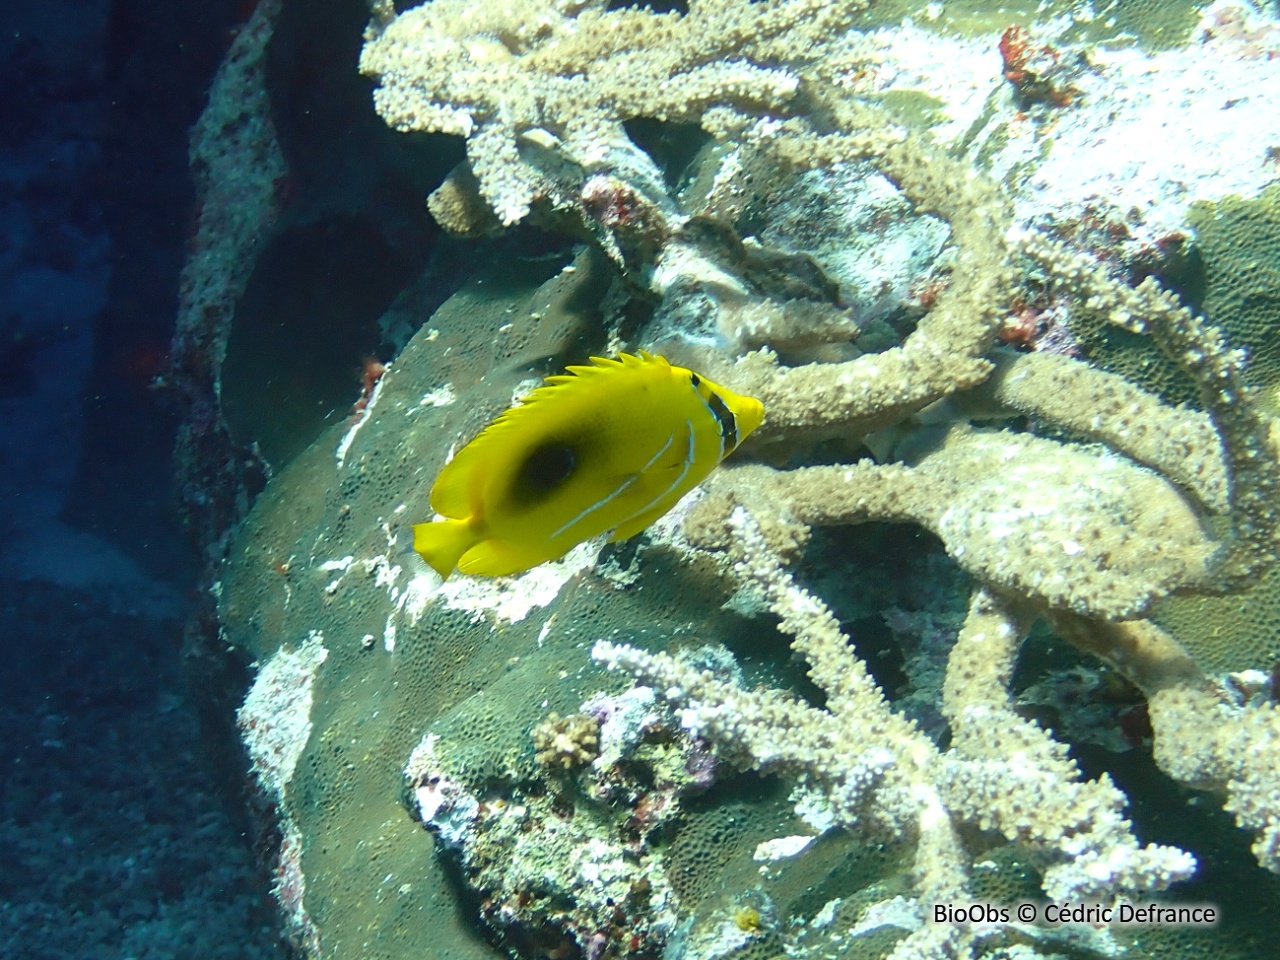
[(607, 448)]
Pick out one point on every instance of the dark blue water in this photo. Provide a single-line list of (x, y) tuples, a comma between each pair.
[(114, 840)]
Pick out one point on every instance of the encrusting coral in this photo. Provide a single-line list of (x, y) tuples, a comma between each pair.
[(1108, 502)]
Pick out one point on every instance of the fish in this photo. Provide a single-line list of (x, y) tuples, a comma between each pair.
[(606, 448)]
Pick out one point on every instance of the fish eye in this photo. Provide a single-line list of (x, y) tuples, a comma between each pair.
[(545, 469)]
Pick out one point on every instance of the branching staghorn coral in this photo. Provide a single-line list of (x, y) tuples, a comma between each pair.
[(1079, 534), (1201, 738), (1042, 520), (947, 350), (1248, 455), (1039, 517), (516, 79), (876, 771)]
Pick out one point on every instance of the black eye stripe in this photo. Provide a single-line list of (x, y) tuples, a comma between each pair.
[(728, 422), (724, 416)]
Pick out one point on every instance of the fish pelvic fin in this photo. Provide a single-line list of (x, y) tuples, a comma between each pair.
[(443, 543)]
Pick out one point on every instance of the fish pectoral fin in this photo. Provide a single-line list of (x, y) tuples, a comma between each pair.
[(443, 543), (500, 558)]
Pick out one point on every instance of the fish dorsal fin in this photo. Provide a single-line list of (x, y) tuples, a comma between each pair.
[(600, 367), (545, 409)]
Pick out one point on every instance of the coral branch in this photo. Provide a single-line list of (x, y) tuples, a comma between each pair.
[(1201, 739), (501, 75), (1253, 475), (1019, 781), (1181, 444), (1043, 520), (874, 768)]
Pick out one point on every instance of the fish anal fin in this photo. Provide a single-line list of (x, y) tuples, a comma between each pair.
[(641, 522), (500, 558)]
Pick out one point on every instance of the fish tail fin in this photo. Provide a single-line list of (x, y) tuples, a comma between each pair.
[(443, 543)]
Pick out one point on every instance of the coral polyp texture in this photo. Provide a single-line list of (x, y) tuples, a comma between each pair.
[(933, 637)]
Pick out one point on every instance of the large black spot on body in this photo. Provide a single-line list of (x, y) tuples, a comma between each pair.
[(543, 472)]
